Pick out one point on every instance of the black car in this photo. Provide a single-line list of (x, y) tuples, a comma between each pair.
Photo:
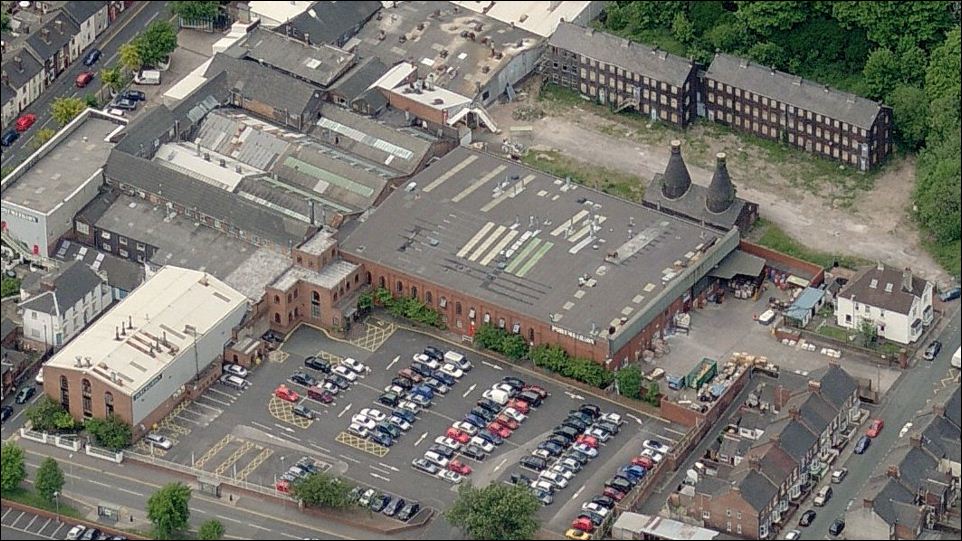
[(378, 503), (950, 294), (487, 436), (407, 415), (338, 380), (837, 526), (610, 428), (135, 95), (9, 137), (514, 382), (389, 399), (619, 483), (442, 450), (381, 438), (807, 518), (5, 413), (482, 413), (303, 411), (25, 394), (603, 501), (304, 379), (531, 397), (535, 463), (408, 511), (422, 369), (595, 518), (520, 478), (582, 416), (932, 351), (566, 432), (558, 440), (489, 405), (272, 336), (434, 352), (473, 451), (388, 429), (862, 445), (575, 423), (392, 508), (92, 57), (403, 383), (443, 378), (551, 447), (578, 456), (591, 409), (318, 363)]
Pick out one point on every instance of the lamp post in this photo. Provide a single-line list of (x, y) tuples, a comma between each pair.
[(56, 496)]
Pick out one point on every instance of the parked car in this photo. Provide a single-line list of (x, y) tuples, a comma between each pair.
[(354, 365), (577, 535), (379, 502), (319, 394), (235, 382), (932, 351), (396, 505), (9, 138), (410, 374), (92, 57), (457, 435), (644, 461), (399, 422), (444, 378), (839, 475), (793, 534), (407, 415), (408, 511), (875, 429), (84, 79), (515, 414), (459, 467), (950, 294), (517, 383), (364, 421), (358, 430), (341, 383), (436, 458), (389, 429), (437, 385), (389, 399), (124, 103), (25, 394), (452, 370), (583, 524), (532, 398), (75, 533), (303, 378), (135, 95), (236, 370), (6, 413), (345, 372), (442, 450), (534, 463), (434, 352), (448, 442), (821, 498), (862, 444), (24, 122), (486, 446), (157, 440), (837, 526), (614, 494), (373, 413), (656, 446), (301, 410), (807, 518), (318, 363), (380, 438), (474, 452)]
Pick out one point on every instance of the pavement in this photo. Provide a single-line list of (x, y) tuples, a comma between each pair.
[(131, 23)]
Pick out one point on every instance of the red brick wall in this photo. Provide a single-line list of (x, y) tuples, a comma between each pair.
[(678, 413), (816, 272), (417, 109), (286, 309)]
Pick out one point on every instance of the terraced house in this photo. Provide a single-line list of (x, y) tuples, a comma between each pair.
[(784, 107), (615, 71)]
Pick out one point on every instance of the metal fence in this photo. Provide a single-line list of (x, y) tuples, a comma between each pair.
[(106, 454), (204, 474)]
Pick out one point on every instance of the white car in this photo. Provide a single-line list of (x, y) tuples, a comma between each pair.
[(586, 449), (345, 372), (448, 442), (234, 381), (396, 389), (427, 361), (600, 510), (364, 421), (373, 414), (158, 440), (331, 387), (613, 418), (554, 478), (435, 458), (450, 476), (400, 423), (794, 534), (358, 430), (485, 445), (497, 396), (452, 371), (542, 453), (354, 365), (504, 387), (654, 455), (410, 406), (567, 474), (465, 427), (601, 434), (75, 532), (236, 370), (515, 414), (116, 112), (655, 446), (544, 486)]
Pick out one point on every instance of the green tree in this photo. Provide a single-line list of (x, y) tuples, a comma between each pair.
[(768, 54), (112, 79), (867, 333), (156, 42), (322, 490), (767, 18), (169, 510), (912, 63), (629, 381), (728, 37), (635, 16), (487, 336), (12, 468), (497, 511), (63, 110), (47, 415), (49, 479), (888, 22), (881, 73), (212, 529), (910, 112), (9, 286), (194, 10), (938, 187), (513, 346), (111, 432), (130, 57), (707, 14), (682, 28), (653, 394), (91, 100), (41, 137), (942, 75), (5, 19)]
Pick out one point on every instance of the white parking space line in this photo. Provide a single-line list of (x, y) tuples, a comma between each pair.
[(252, 525), (29, 524), (196, 403), (265, 427), (673, 431), (492, 365), (471, 388), (222, 517), (352, 459), (57, 531), (578, 492), (282, 427), (381, 477), (45, 524), (501, 464), (388, 367), (316, 446), (420, 439), (7, 513), (214, 400), (228, 395), (25, 531), (343, 411), (392, 468), (135, 493), (381, 470)]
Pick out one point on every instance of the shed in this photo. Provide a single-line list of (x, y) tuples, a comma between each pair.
[(805, 306)]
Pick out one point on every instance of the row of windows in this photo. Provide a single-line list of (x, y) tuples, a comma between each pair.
[(86, 395)]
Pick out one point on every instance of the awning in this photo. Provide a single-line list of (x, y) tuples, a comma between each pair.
[(797, 281), (738, 263)]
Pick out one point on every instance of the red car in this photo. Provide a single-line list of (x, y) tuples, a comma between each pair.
[(500, 430), (584, 524), (282, 486), (507, 421), (644, 462), (590, 441), (519, 405), (284, 393), (613, 493), (876, 428), (410, 374), (23, 123), (459, 467), (459, 436), (537, 389), (84, 79)]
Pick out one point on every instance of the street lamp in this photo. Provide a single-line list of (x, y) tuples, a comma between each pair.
[(56, 495)]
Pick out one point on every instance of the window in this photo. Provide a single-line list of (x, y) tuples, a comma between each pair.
[(109, 402), (487, 317), (277, 299), (530, 334), (123, 253), (400, 286), (848, 318), (500, 322), (288, 298), (414, 291), (83, 228), (140, 246), (105, 235), (457, 308), (381, 282), (277, 317), (428, 298), (85, 390), (295, 293), (122, 240), (516, 328), (315, 304), (471, 313), (442, 302)]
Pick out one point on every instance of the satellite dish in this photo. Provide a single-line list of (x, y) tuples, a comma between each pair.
[(24, 4)]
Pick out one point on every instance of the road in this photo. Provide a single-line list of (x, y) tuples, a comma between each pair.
[(130, 24)]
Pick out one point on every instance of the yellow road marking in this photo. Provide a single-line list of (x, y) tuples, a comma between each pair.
[(361, 444)]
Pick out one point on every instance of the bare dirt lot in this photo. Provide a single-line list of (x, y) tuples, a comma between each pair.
[(826, 208)]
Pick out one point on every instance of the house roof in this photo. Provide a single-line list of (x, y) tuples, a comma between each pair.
[(794, 437), (941, 438), (7, 94), (953, 407), (327, 21), (79, 12), (793, 90), (816, 412), (835, 384), (756, 489), (20, 67), (359, 78), (122, 273), (7, 326), (622, 52), (881, 286), (71, 284), (738, 263), (319, 64), (267, 85), (60, 29), (895, 504)]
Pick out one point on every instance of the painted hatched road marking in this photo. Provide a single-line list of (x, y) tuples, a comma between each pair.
[(234, 457), (374, 336), (216, 448), (253, 464), (361, 444), (281, 410)]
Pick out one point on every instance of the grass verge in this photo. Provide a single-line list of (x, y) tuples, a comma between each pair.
[(606, 180), (771, 236), (28, 497), (949, 256)]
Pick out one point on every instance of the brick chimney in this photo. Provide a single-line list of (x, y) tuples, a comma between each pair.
[(916, 440), (907, 280), (782, 395), (793, 412), (868, 503), (47, 283), (59, 25), (893, 471), (45, 34), (814, 386), (754, 462)]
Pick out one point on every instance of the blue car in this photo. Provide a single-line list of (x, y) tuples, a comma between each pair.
[(475, 420), (424, 391), (862, 445), (381, 438), (407, 415), (443, 378), (493, 439), (633, 473)]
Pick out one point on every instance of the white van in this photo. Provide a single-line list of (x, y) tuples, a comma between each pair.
[(957, 358), (147, 77), (497, 395), (458, 360)]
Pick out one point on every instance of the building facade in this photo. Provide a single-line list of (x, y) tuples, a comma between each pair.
[(897, 304), (621, 74), (55, 45), (781, 107), (25, 76), (91, 17), (67, 302)]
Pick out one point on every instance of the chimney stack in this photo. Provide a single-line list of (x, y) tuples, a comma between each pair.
[(893, 471), (793, 412), (916, 440), (310, 203), (754, 462), (721, 191), (907, 280), (307, 38), (814, 385), (676, 181), (130, 322)]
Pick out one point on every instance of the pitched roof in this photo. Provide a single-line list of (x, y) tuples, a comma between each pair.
[(71, 284), (7, 326), (757, 490), (81, 11), (7, 94), (122, 273), (793, 90), (835, 384), (953, 407), (359, 78), (20, 67), (623, 53), (264, 84), (321, 65), (881, 286), (794, 438), (327, 21), (891, 500), (816, 412), (373, 140), (941, 438), (60, 29)]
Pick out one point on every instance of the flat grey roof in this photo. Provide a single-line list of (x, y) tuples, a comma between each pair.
[(64, 168), (521, 239), (183, 242)]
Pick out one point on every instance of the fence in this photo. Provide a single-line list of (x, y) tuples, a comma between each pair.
[(204, 474), (106, 454), (34, 435), (71, 443)]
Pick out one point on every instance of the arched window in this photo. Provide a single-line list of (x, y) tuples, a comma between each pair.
[(400, 286), (348, 286), (108, 402), (442, 302), (369, 278), (290, 317), (414, 291), (457, 308), (277, 317), (87, 405), (63, 383), (315, 297), (277, 299), (295, 293), (315, 304), (382, 282), (357, 277), (296, 312), (85, 386), (288, 298), (428, 298)]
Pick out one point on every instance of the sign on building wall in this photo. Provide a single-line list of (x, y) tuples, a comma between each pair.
[(572, 334)]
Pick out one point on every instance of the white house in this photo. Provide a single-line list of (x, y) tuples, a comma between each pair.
[(66, 303), (92, 19), (897, 303), (23, 73)]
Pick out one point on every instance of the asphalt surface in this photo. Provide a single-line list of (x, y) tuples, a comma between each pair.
[(18, 524), (131, 23)]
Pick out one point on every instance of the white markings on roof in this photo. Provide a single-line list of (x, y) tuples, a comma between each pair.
[(451, 172), (488, 242), (478, 183), (475, 239)]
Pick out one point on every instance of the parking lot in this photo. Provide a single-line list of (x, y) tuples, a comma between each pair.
[(25, 525), (250, 434)]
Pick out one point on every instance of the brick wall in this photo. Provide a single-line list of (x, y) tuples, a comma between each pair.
[(781, 260)]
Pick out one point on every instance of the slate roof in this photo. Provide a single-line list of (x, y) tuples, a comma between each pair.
[(953, 407), (622, 52), (836, 385), (793, 90), (816, 412), (942, 439), (218, 203), (7, 94), (17, 77), (56, 40), (72, 283), (359, 78), (757, 490), (264, 84), (898, 300), (140, 135), (776, 464), (122, 273), (894, 503), (81, 11), (794, 438), (327, 21), (321, 65), (7, 326)]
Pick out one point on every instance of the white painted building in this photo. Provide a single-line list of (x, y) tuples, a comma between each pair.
[(68, 300), (91, 17), (23, 74), (899, 304)]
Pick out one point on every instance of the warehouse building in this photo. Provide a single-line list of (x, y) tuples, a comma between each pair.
[(138, 359)]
